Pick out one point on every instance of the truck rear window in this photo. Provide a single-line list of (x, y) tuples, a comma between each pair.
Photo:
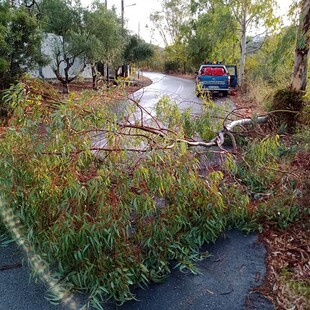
[(215, 71)]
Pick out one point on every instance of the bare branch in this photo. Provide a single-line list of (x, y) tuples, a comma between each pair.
[(246, 121)]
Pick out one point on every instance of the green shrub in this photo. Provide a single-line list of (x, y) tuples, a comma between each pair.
[(257, 169), (171, 66), (287, 106), (260, 194)]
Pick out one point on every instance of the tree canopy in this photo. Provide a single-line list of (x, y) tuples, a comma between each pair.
[(250, 14), (20, 39), (73, 37), (213, 36), (137, 50), (105, 34), (170, 20), (214, 29)]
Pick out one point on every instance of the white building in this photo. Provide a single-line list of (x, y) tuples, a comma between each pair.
[(51, 45)]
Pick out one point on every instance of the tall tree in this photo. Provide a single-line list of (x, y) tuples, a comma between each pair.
[(178, 53), (105, 37), (250, 14), (69, 40), (299, 78), (20, 40), (168, 22), (213, 34), (137, 50)]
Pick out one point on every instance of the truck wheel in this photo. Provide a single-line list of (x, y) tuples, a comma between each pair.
[(225, 93)]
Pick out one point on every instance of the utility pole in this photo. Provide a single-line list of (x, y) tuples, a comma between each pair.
[(122, 10), (123, 25), (123, 32), (108, 78), (122, 13)]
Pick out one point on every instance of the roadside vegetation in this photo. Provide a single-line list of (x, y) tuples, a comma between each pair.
[(107, 202)]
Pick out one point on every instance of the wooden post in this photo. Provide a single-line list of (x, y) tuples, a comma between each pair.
[(122, 10)]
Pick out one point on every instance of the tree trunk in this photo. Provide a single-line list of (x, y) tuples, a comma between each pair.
[(108, 76), (243, 52), (299, 78), (65, 88), (66, 79), (94, 75)]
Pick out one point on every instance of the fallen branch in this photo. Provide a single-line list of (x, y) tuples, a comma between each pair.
[(163, 133), (246, 121), (219, 139), (11, 266)]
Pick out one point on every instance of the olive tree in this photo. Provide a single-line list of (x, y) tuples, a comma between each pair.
[(63, 20)]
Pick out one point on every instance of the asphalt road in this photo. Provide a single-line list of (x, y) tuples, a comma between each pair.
[(17, 292), (236, 266), (180, 90), (226, 278), (225, 282)]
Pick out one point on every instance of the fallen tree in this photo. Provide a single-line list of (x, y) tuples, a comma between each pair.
[(116, 219)]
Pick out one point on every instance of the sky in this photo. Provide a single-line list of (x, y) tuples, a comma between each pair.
[(137, 12)]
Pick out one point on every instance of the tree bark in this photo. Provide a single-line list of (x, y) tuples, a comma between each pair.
[(94, 75), (243, 50), (108, 75), (299, 78), (65, 88)]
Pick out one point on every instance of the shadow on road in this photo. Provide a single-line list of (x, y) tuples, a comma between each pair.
[(225, 281)]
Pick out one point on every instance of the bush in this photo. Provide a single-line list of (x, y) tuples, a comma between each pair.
[(287, 105), (171, 66), (259, 92), (259, 195)]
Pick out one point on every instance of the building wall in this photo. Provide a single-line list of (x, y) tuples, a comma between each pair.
[(49, 45)]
